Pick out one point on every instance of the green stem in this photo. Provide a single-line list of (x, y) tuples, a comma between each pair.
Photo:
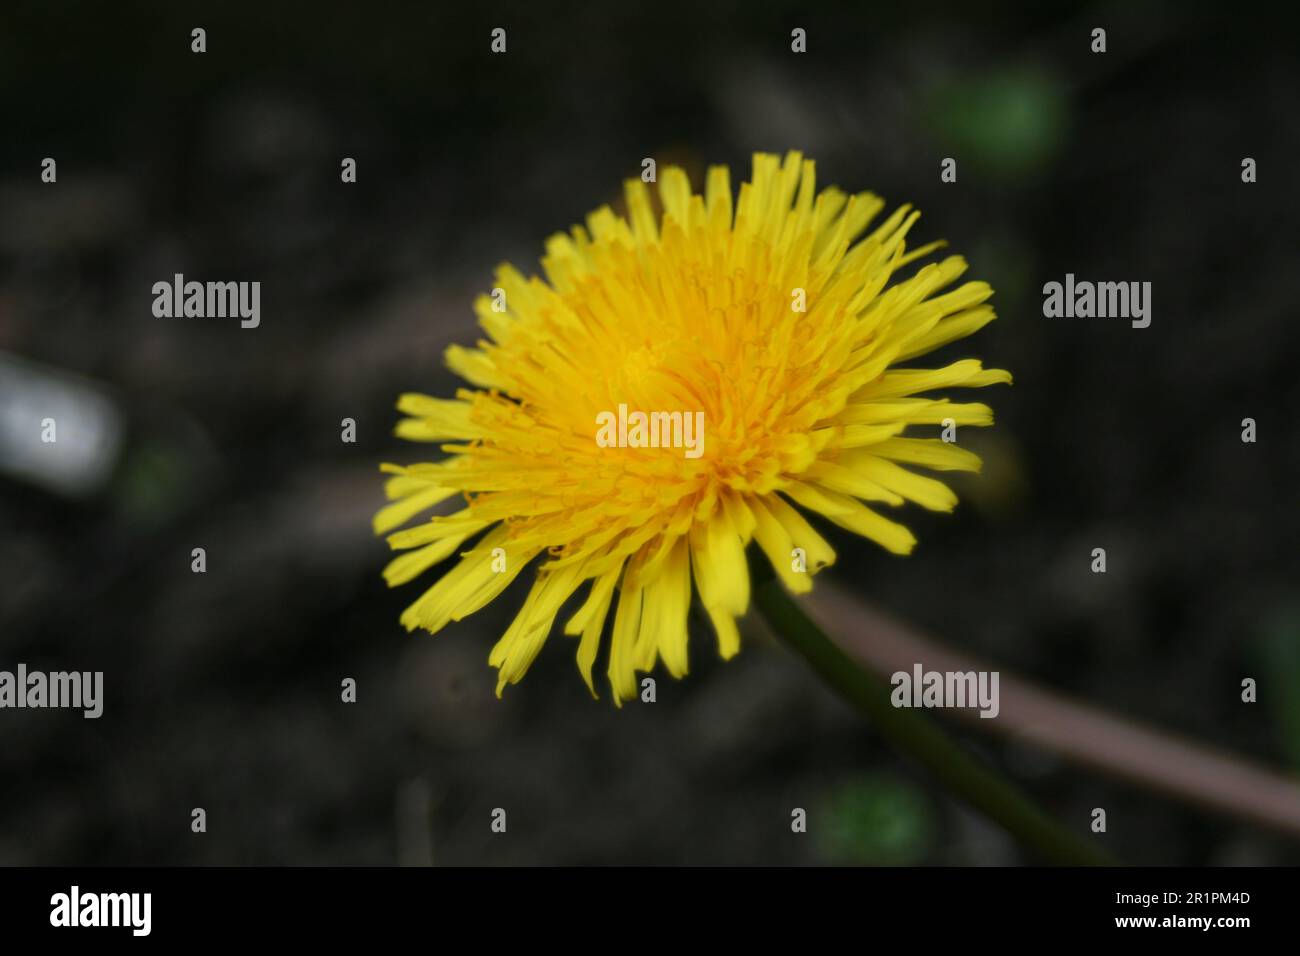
[(915, 735)]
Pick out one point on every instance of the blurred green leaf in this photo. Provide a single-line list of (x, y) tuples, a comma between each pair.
[(1279, 685), (1006, 123), (155, 483), (878, 819)]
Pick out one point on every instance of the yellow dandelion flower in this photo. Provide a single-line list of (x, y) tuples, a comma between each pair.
[(774, 325)]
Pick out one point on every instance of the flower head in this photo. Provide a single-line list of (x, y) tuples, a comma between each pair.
[(776, 324)]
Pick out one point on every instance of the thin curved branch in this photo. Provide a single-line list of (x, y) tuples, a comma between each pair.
[(1075, 731)]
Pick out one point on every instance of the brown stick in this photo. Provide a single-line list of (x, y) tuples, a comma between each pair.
[(1076, 731)]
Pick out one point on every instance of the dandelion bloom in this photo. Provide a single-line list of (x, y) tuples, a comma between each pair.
[(776, 319)]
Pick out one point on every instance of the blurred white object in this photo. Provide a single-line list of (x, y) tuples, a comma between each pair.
[(88, 428)]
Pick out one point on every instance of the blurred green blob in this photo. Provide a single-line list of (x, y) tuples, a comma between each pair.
[(1007, 123), (1279, 684), (154, 483), (875, 819)]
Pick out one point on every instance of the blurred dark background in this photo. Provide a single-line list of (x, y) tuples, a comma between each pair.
[(223, 689)]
